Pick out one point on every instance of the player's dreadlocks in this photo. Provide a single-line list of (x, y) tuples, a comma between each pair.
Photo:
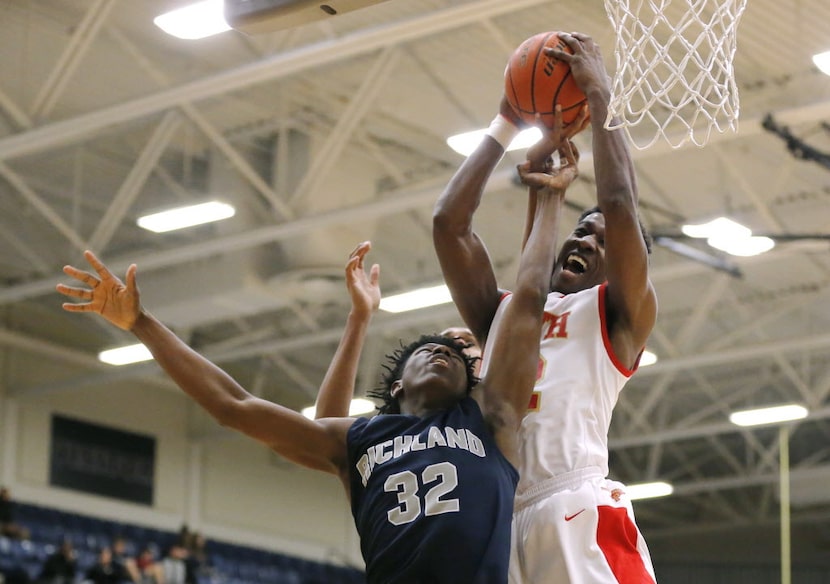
[(397, 361)]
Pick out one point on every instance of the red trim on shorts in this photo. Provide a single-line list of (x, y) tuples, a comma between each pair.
[(617, 538), (606, 339)]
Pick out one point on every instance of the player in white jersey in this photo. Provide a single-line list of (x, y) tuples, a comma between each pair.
[(571, 524)]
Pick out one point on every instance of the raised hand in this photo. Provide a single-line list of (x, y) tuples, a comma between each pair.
[(106, 295), (364, 289), (550, 177), (582, 121), (552, 139), (586, 63)]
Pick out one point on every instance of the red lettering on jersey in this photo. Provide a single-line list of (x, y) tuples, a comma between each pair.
[(535, 401), (557, 325), (540, 368)]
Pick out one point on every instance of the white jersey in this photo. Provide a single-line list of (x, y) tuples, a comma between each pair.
[(578, 382)]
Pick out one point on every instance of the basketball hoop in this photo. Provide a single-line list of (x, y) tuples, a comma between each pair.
[(674, 69)]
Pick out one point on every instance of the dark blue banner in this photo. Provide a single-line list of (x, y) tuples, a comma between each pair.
[(102, 461)]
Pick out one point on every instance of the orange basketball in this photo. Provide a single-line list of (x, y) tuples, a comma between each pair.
[(535, 83)]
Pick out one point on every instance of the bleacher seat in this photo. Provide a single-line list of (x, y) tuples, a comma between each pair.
[(232, 563)]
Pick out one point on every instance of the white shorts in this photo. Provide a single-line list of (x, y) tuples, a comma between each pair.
[(578, 529)]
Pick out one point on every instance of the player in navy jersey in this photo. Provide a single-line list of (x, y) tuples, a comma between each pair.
[(431, 489), (431, 480)]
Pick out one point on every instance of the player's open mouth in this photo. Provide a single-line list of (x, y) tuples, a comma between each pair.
[(575, 264), (440, 360)]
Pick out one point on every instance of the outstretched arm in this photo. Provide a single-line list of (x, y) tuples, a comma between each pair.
[(508, 383), (319, 445), (631, 304), (337, 389), (464, 260), (539, 155)]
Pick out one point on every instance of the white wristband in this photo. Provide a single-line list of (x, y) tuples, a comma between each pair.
[(502, 131)]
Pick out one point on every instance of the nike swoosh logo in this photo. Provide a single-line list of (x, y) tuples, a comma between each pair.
[(569, 517)]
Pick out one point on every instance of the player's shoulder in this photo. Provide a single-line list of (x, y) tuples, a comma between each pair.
[(339, 427)]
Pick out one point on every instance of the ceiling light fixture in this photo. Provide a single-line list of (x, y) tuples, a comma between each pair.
[(188, 216), (358, 407), (420, 298), (720, 227), (770, 415), (194, 21), (647, 358), (125, 355), (727, 235), (744, 247), (649, 490), (467, 142), (822, 61)]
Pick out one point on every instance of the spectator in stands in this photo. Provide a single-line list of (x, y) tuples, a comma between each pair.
[(198, 562), (8, 526), (123, 559), (185, 536), (149, 570), (15, 574), (174, 565), (105, 570), (60, 567)]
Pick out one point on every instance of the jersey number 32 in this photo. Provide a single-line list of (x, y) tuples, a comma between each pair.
[(406, 484)]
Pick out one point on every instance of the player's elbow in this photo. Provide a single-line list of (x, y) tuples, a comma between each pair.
[(442, 221), (227, 416), (231, 412), (449, 222)]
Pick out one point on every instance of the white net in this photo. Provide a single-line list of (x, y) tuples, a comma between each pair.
[(674, 76)]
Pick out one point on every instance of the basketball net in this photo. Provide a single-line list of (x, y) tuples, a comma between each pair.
[(674, 69)]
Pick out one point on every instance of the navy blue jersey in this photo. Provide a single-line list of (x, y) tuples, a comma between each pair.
[(432, 498)]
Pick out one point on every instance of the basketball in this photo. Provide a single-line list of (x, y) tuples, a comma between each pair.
[(535, 83)]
